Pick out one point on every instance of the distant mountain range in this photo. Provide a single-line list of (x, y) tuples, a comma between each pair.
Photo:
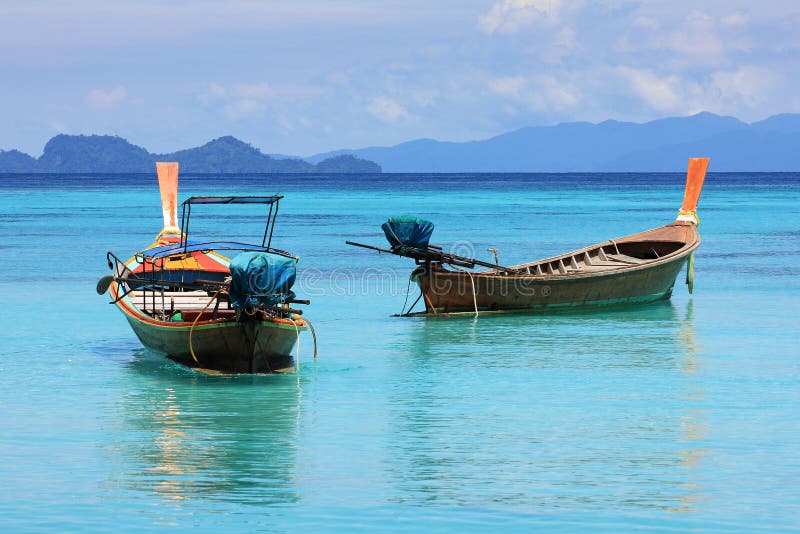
[(109, 154), (771, 145)]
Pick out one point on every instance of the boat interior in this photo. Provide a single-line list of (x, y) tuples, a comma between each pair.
[(173, 303), (171, 294), (179, 305), (611, 255)]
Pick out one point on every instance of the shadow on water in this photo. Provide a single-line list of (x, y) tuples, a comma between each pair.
[(585, 410), (196, 437)]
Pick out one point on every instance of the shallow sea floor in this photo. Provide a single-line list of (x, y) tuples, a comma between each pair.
[(673, 416)]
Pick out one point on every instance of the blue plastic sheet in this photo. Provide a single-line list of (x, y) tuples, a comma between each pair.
[(261, 279)]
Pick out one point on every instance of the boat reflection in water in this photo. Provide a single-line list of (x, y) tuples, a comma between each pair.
[(218, 438), (694, 426), (578, 411)]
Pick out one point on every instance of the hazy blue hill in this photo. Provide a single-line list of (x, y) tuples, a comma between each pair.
[(93, 153), (607, 146), (742, 150), (16, 161), (784, 123), (230, 155), (111, 154), (661, 145), (347, 164)]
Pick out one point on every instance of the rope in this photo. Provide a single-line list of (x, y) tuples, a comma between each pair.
[(196, 319), (297, 352), (169, 231), (408, 290), (474, 293), (689, 214), (313, 335)]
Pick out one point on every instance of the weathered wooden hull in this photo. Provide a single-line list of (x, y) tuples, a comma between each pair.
[(229, 346), (448, 291)]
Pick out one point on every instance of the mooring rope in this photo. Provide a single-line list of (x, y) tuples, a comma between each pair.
[(408, 290), (474, 293), (297, 352), (194, 323), (313, 335), (689, 214)]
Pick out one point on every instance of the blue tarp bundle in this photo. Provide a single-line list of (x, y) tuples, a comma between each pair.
[(408, 231), (260, 278)]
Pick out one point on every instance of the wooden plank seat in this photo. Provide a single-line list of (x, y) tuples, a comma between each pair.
[(623, 258), (599, 268)]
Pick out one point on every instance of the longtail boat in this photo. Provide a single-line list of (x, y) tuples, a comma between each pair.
[(219, 306), (634, 269)]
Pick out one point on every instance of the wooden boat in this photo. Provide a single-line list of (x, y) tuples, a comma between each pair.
[(638, 268), (219, 306)]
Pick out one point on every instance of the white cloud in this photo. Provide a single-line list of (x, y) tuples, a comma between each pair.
[(254, 90), (425, 97), (746, 87), (242, 101), (557, 94), (564, 44), (216, 90), (645, 23), (510, 16), (659, 93), (508, 86), (98, 98), (437, 71), (243, 108), (697, 37), (386, 109), (736, 19), (542, 93)]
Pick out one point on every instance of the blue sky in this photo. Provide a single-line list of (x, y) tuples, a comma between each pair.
[(303, 77)]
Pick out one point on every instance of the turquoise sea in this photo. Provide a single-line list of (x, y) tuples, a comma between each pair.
[(672, 417)]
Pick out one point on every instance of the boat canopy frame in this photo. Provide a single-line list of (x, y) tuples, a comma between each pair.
[(273, 201)]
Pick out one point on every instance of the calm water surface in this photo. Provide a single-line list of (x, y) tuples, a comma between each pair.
[(681, 415)]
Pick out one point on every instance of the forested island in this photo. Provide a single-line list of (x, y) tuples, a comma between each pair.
[(111, 154)]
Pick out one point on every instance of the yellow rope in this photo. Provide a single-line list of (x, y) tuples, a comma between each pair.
[(169, 230), (313, 336), (297, 352), (196, 319)]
